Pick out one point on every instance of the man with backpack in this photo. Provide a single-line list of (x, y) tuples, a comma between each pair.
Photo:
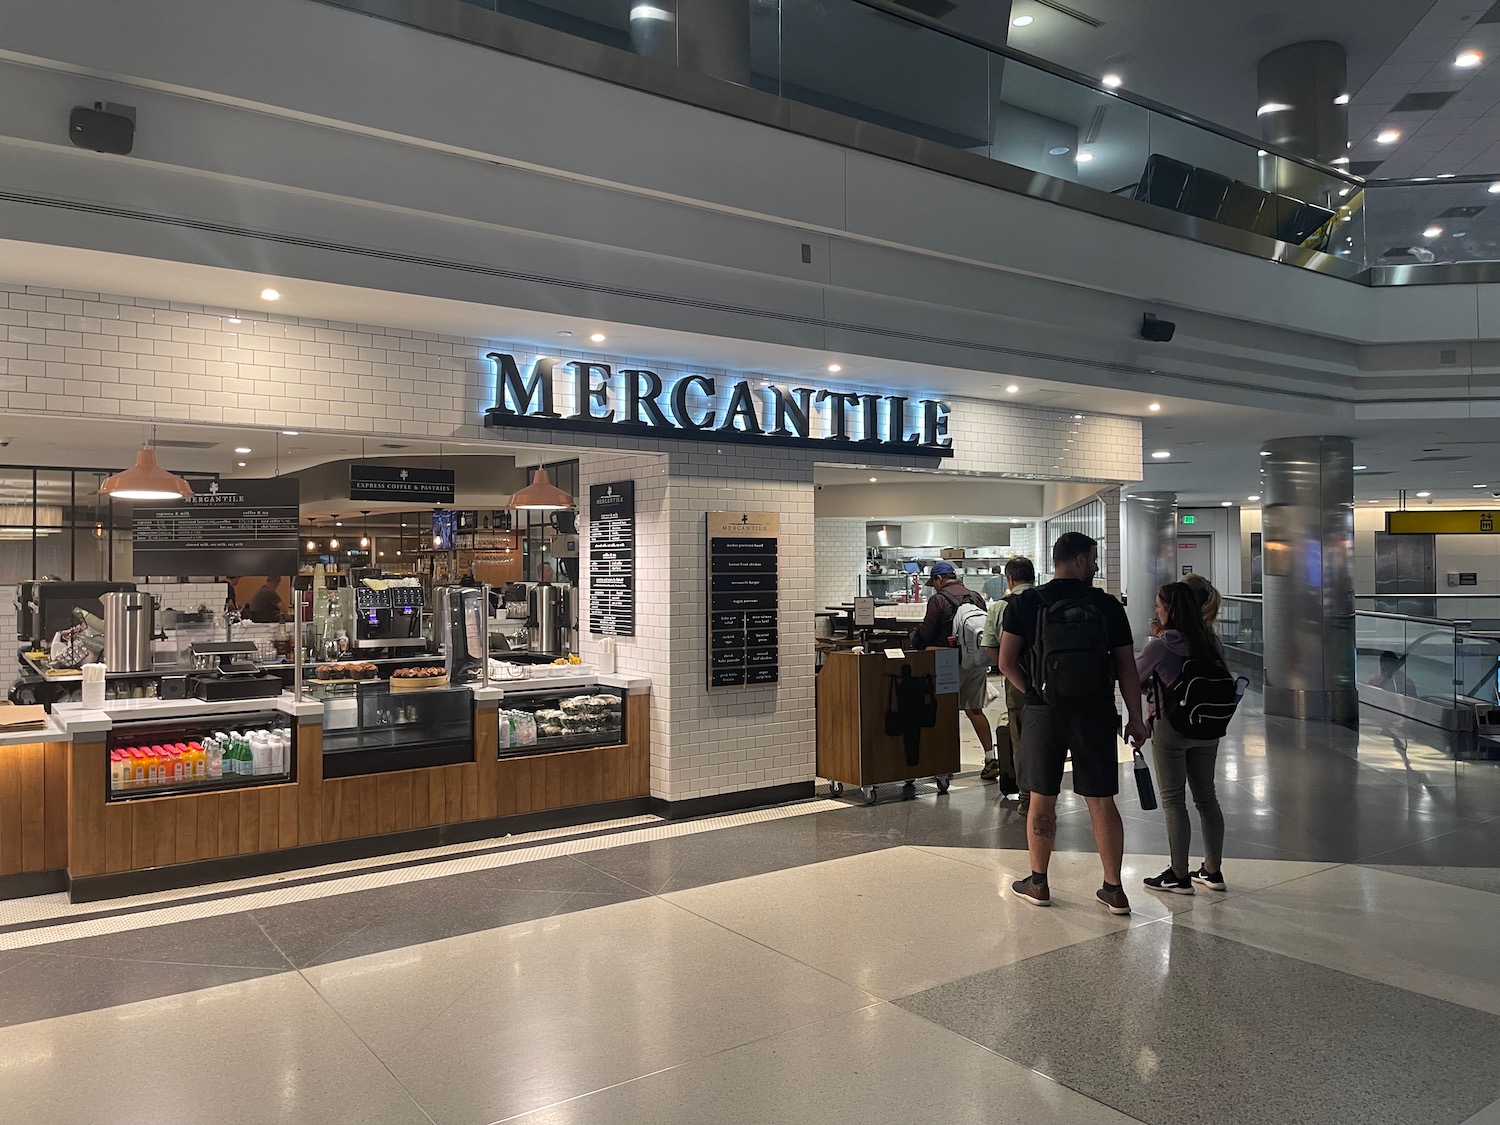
[(955, 617), (1065, 645)]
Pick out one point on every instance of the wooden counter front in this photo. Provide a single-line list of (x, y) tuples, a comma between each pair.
[(108, 838), (853, 697), (33, 807)]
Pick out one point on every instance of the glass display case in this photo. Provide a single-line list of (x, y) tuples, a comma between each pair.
[(200, 755), (369, 727), (565, 719)]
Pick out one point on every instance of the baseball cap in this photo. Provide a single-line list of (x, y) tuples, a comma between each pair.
[(941, 570)]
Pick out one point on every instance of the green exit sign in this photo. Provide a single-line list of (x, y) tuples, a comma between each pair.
[(1189, 519)]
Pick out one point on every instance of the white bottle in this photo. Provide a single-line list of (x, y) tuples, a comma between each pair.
[(260, 752), (215, 758)]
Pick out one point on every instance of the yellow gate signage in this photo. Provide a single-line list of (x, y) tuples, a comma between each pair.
[(1468, 521)]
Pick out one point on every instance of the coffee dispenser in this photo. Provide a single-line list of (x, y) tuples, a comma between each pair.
[(461, 632)]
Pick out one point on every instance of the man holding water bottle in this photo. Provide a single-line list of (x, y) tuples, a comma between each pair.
[(1065, 645)]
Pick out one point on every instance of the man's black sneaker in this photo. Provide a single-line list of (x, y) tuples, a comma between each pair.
[(1008, 784), (991, 771), (1214, 882), (1113, 901), (1038, 894), (1169, 882)]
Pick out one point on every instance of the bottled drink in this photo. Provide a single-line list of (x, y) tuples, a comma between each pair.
[(214, 760)]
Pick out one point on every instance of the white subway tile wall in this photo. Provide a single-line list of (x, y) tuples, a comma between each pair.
[(839, 560)]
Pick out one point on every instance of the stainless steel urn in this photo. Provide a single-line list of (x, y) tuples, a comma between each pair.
[(129, 624)]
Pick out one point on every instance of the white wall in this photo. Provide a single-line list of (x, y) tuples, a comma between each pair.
[(1224, 525), (839, 550)]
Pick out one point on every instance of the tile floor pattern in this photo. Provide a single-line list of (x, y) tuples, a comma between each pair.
[(851, 964)]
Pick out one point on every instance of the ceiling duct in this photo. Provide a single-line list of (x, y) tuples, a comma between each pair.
[(882, 535), (1074, 13)]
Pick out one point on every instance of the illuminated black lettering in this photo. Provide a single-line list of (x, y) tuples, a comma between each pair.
[(935, 424), (838, 414), (741, 407), (586, 394), (637, 399), (522, 395), (680, 406), (797, 409)]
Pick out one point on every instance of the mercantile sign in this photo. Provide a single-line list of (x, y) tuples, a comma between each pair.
[(583, 395)]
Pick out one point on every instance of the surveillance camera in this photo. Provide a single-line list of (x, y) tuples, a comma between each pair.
[(1496, 494)]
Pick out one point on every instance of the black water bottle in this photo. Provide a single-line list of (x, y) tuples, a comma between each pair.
[(1143, 783)]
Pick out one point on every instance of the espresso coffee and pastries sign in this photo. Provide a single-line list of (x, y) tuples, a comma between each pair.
[(401, 482), (596, 398), (226, 527)]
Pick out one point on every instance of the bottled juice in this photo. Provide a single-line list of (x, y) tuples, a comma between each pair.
[(116, 780), (140, 773), (213, 760), (198, 760)]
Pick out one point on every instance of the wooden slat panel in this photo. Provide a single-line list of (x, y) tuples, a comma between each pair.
[(33, 806), (312, 814), (591, 784), (56, 828), (486, 745), (142, 834), (119, 849), (453, 786), (208, 826), (229, 824), (287, 816), (333, 810), (609, 773), (538, 770), (552, 794), (505, 787), (470, 775), (249, 842), (403, 795), (385, 803), (349, 818), (568, 779), (421, 795), (185, 827), (10, 810), (270, 819), (165, 824), (369, 807)]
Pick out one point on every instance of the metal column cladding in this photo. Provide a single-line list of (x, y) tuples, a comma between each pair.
[(1150, 553), (1308, 579), (1298, 89)]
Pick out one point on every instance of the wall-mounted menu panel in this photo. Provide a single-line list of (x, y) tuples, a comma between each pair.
[(229, 526), (743, 634), (612, 559)]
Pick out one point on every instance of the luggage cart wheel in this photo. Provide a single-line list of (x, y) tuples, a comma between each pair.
[(869, 792), (943, 782), (835, 788)]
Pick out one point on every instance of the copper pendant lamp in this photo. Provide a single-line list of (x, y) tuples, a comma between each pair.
[(541, 495), (146, 480)]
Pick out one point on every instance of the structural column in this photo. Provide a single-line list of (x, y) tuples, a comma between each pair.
[(1308, 578), (1298, 88), (709, 36), (1150, 553)]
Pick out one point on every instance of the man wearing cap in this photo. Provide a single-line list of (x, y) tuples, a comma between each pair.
[(937, 626)]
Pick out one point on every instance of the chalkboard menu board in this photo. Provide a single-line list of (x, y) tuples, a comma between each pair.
[(612, 559), (743, 638), (226, 527)]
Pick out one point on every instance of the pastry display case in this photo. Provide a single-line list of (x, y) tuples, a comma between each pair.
[(375, 726)]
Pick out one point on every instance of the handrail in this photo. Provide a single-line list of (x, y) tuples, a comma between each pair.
[(1467, 179), (1380, 615), (1056, 69)]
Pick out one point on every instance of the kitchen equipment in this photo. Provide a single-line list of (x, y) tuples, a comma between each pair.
[(546, 619), (388, 618), (129, 625), (45, 607), (232, 672), (461, 631)]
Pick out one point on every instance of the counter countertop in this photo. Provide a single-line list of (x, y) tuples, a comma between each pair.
[(631, 685), (49, 733), (76, 719)]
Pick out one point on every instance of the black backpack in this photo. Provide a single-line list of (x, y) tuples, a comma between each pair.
[(1071, 661), (1201, 701)]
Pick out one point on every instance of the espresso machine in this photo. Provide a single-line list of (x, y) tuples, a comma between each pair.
[(461, 614), (387, 618)]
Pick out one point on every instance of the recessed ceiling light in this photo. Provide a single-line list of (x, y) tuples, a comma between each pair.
[(1155, 407), (290, 433), (1374, 501), (1494, 189), (1342, 99), (242, 449), (1388, 136), (1481, 486), (1357, 468), (1261, 152), (1446, 175), (1468, 59), (1339, 160), (1252, 499), (1022, 21), (1432, 232), (565, 333), (1059, 150), (1078, 417), (1272, 107), (1343, 192), (874, 479), (1161, 454), (269, 295), (234, 320), (1113, 81), (1084, 157), (1423, 495), (835, 367), (1226, 503), (1458, 234), (1012, 389), (598, 337)]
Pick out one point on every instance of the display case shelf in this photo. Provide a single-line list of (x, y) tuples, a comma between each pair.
[(367, 728), (573, 719), (142, 762)]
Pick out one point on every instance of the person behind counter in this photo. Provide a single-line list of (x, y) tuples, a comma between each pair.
[(265, 604)]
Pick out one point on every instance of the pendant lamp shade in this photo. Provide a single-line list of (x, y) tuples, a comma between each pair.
[(541, 495), (146, 480)]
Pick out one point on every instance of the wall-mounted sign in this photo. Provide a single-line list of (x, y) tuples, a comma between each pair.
[(1189, 519), (397, 482), (595, 398), (1471, 521), (744, 645), (612, 559), (227, 527)]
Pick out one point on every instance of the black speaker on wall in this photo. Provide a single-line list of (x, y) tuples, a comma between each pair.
[(1155, 330), (102, 130)]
